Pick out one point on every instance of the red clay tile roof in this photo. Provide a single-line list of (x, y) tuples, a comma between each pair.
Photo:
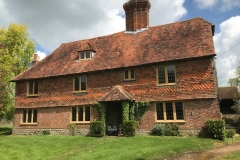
[(116, 94), (167, 93), (228, 92), (181, 40)]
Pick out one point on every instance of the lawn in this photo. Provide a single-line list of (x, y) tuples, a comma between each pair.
[(232, 156), (107, 148)]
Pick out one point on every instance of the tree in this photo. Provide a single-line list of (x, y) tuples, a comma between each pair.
[(16, 51), (235, 81)]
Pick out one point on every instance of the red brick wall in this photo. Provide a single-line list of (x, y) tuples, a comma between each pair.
[(196, 114), (52, 118), (195, 78)]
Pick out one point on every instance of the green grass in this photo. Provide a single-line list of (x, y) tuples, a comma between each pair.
[(232, 156), (90, 148)]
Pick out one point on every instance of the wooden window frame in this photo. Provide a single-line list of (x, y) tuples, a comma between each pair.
[(28, 88), (174, 113), (85, 55), (79, 84), (26, 120), (129, 75), (166, 75), (84, 114)]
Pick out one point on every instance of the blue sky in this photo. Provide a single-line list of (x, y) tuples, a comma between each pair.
[(53, 22)]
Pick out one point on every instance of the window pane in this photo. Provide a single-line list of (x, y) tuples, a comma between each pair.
[(169, 111), (179, 110), (24, 116), (88, 55), (30, 87), (29, 116), (87, 113), (171, 74), (132, 74), (36, 88), (160, 115), (83, 83), (161, 75), (80, 113), (82, 55), (126, 74), (74, 113), (34, 115), (76, 84)]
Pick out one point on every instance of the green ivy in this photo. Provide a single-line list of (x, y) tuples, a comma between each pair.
[(101, 107), (138, 109), (125, 111)]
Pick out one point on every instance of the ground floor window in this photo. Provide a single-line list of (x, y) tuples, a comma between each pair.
[(169, 112), (81, 114), (29, 116)]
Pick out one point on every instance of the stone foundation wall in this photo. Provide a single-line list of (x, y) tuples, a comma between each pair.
[(54, 131)]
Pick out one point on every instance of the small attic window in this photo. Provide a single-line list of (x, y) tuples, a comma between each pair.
[(84, 55)]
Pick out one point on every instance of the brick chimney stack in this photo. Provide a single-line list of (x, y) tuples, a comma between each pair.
[(35, 59), (137, 14)]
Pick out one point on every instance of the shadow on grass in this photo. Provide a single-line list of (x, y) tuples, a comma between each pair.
[(5, 131)]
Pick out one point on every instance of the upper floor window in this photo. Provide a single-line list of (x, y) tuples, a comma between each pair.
[(32, 88), (29, 116), (86, 55), (166, 74), (80, 83), (169, 112), (129, 74), (81, 114)]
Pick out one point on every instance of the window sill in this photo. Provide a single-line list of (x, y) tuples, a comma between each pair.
[(28, 124), (87, 122), (170, 121), (32, 95), (129, 79), (166, 84)]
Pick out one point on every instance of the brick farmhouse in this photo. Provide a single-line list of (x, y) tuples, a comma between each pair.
[(172, 66)]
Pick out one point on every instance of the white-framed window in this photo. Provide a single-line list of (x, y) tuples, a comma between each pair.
[(85, 55), (29, 116), (32, 88), (166, 75), (80, 83), (129, 74), (169, 112), (81, 114)]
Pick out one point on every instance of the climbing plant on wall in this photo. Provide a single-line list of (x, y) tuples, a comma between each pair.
[(101, 107), (125, 110), (137, 109)]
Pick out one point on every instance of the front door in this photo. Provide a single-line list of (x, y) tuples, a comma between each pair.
[(113, 117)]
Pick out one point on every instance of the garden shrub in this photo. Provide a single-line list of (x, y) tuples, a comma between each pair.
[(229, 133), (158, 129), (97, 129), (165, 129), (216, 128), (46, 132), (129, 128)]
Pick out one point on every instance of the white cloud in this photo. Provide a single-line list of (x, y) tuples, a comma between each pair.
[(221, 5), (229, 4), (54, 22), (203, 4), (228, 57), (41, 55)]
